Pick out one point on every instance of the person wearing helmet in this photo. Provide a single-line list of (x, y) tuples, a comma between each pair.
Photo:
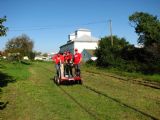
[(77, 60)]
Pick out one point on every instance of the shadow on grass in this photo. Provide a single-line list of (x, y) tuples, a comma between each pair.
[(3, 105), (4, 80), (25, 62)]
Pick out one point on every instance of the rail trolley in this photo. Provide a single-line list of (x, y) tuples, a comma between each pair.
[(63, 78)]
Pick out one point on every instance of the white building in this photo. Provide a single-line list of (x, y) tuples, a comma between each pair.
[(80, 39)]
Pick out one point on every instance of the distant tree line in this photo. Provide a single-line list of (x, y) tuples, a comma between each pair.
[(18, 47), (127, 57)]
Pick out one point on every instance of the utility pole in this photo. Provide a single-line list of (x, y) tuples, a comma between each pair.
[(110, 27)]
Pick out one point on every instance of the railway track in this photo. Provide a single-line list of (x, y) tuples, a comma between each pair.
[(134, 81), (90, 113), (118, 101), (94, 115)]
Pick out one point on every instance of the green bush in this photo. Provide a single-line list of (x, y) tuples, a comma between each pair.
[(109, 55), (126, 57), (91, 62)]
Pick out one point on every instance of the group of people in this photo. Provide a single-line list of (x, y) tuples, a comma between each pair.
[(65, 62)]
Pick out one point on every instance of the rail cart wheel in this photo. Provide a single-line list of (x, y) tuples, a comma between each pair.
[(80, 82), (58, 81)]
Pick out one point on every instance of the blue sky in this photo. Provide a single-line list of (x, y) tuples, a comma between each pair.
[(48, 22)]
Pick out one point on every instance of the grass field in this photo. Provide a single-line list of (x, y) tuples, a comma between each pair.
[(31, 95)]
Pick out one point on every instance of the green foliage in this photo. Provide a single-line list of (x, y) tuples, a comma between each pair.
[(110, 55), (45, 55), (21, 46), (37, 53), (91, 62), (126, 57), (31, 55), (14, 57), (147, 27), (3, 29)]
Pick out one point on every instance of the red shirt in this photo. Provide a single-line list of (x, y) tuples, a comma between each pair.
[(65, 57), (53, 58), (58, 59), (68, 57), (77, 58)]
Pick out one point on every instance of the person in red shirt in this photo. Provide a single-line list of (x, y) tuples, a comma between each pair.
[(62, 58), (65, 57), (62, 65), (68, 60), (58, 59), (77, 60)]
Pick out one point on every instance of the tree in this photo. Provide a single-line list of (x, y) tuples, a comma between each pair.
[(38, 53), (147, 27), (31, 55), (3, 29), (45, 55), (21, 45), (109, 55)]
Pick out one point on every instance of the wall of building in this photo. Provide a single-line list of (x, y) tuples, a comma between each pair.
[(80, 33), (79, 45), (69, 47), (85, 45), (80, 39), (71, 37)]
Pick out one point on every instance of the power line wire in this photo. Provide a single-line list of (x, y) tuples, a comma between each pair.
[(52, 27)]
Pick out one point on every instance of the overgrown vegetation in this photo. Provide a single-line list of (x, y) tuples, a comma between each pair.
[(125, 56)]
